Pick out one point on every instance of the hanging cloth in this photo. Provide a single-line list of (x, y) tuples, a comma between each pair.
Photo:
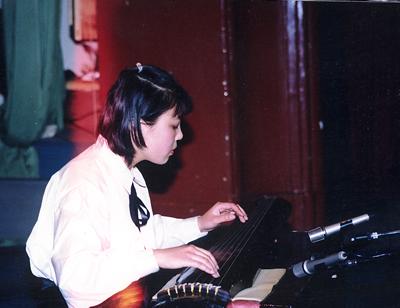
[(35, 82)]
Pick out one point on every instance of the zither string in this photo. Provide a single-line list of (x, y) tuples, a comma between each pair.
[(229, 248), (246, 232)]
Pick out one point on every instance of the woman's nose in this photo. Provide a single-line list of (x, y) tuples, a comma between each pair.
[(179, 133)]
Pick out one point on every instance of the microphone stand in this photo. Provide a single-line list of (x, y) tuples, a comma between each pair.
[(354, 255), (359, 257), (375, 236)]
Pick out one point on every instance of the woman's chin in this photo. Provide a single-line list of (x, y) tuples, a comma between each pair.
[(160, 161)]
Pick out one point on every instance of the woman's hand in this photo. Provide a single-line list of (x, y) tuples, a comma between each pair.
[(187, 256), (220, 213)]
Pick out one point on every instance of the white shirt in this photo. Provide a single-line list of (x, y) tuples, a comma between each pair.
[(84, 239)]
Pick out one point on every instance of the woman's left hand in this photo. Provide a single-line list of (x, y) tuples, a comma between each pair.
[(219, 213)]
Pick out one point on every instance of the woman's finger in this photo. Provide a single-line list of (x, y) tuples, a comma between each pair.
[(235, 208), (203, 260)]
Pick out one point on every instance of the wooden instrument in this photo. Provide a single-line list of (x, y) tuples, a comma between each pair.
[(240, 249)]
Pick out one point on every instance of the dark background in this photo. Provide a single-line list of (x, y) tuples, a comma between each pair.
[(359, 99)]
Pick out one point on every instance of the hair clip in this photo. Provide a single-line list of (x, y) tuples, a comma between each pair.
[(139, 67)]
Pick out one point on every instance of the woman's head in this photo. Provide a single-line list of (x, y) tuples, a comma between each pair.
[(138, 98)]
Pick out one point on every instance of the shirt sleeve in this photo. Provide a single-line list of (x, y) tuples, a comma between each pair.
[(171, 232), (86, 265), (163, 231)]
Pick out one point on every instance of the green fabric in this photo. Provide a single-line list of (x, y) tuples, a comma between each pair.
[(18, 162), (35, 82)]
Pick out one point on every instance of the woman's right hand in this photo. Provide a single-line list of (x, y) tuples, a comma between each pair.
[(187, 256)]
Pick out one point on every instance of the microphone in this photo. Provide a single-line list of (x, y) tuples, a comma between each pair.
[(321, 233), (308, 267)]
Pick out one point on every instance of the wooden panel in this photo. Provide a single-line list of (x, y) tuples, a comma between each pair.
[(188, 38), (279, 149), (253, 136), (263, 113)]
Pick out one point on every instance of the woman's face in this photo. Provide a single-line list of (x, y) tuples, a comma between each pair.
[(160, 138)]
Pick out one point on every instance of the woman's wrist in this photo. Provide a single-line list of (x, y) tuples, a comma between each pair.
[(200, 224)]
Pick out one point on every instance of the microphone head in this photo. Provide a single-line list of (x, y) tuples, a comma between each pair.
[(360, 219), (299, 271), (316, 235)]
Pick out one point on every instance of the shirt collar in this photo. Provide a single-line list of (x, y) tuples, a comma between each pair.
[(118, 166)]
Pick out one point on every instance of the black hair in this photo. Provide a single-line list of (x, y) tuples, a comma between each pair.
[(141, 93)]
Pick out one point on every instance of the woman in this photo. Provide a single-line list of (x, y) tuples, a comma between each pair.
[(96, 232)]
